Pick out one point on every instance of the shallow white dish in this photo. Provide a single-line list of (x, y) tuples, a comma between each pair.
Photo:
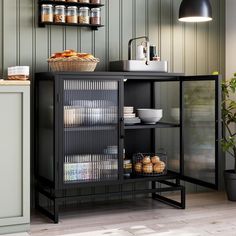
[(150, 116)]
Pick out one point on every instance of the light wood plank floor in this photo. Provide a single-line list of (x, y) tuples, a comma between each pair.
[(206, 214)]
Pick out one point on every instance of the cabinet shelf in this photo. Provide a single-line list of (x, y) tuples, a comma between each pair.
[(94, 27), (90, 128), (152, 126)]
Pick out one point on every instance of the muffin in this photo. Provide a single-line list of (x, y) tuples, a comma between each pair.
[(138, 167), (155, 159), (148, 168), (159, 167), (146, 160)]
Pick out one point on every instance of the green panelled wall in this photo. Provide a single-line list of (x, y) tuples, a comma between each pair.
[(189, 48)]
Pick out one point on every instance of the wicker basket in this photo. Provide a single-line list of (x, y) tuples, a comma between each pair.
[(138, 159), (72, 65)]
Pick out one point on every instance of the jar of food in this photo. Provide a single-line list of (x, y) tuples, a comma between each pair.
[(71, 16), (46, 13), (84, 15), (84, 1), (60, 0), (95, 18), (59, 14), (95, 1), (72, 0)]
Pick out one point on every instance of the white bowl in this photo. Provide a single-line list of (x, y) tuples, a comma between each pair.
[(150, 116)]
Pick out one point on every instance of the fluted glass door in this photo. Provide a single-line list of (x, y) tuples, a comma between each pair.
[(91, 143), (200, 105)]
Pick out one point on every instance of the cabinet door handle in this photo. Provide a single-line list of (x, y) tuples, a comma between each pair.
[(122, 128)]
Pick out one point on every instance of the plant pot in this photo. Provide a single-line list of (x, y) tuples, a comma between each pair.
[(230, 184)]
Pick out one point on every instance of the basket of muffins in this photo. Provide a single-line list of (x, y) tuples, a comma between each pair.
[(150, 164), (70, 60)]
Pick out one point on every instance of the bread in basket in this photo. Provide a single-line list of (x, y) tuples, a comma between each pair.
[(70, 60)]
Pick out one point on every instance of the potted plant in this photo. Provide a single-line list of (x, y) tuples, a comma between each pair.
[(229, 139)]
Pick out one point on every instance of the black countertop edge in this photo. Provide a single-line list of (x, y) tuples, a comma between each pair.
[(113, 73), (141, 76)]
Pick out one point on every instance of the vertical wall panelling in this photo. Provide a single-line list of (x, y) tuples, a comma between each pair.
[(1, 35), (190, 49), (71, 40), (10, 36), (140, 22), (114, 26), (127, 26), (166, 31), (100, 41), (201, 48), (153, 26), (57, 41), (86, 40), (221, 11), (213, 38), (25, 32), (178, 39)]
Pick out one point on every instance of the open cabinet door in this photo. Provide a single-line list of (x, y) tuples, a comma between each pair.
[(200, 129)]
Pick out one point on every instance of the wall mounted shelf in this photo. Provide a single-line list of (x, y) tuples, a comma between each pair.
[(67, 4)]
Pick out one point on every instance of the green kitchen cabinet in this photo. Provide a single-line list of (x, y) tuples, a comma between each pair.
[(14, 156)]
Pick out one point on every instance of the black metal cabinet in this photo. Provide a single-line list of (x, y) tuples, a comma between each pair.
[(81, 136)]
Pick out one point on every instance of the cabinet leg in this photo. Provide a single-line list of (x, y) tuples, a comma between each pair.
[(183, 198), (56, 211), (36, 199), (153, 187)]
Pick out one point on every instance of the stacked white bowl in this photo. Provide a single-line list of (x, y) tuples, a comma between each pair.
[(130, 117)]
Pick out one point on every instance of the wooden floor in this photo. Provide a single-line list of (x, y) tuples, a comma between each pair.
[(206, 214)]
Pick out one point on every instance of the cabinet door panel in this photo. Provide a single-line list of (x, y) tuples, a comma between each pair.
[(91, 130), (200, 130), (14, 158)]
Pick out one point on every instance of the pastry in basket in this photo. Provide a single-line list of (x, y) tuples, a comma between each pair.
[(69, 53), (146, 160), (155, 159), (138, 167), (159, 167), (148, 168), (70, 60), (72, 55)]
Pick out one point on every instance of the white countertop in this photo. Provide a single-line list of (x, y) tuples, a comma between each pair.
[(14, 82)]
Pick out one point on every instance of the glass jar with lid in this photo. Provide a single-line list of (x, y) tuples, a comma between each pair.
[(71, 16), (59, 14), (46, 13), (95, 18), (72, 0), (84, 15)]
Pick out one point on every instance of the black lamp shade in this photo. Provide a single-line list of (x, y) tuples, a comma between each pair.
[(195, 11)]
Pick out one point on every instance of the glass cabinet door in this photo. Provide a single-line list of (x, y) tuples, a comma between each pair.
[(91, 124), (200, 105)]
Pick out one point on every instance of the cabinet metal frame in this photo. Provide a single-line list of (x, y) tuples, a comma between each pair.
[(57, 185)]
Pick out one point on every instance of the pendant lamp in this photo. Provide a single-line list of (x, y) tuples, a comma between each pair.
[(195, 11)]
